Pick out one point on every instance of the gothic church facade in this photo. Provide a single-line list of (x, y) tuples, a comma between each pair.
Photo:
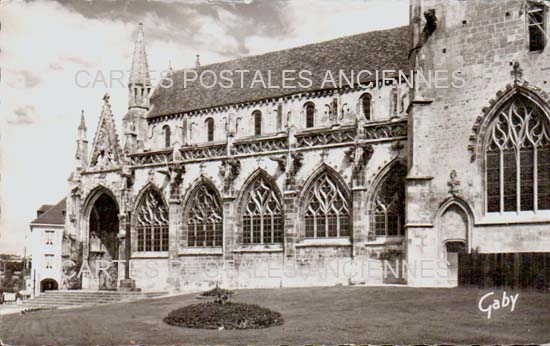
[(258, 187)]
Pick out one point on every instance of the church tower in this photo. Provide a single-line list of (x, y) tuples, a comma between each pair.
[(81, 155), (139, 89)]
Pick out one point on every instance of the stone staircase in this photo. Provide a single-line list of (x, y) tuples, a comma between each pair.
[(65, 298)]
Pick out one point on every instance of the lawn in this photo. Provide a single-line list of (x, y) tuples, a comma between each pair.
[(375, 315)]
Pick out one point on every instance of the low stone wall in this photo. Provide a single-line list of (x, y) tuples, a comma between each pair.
[(311, 267)]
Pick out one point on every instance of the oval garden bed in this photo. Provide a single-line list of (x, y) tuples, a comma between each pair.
[(212, 315)]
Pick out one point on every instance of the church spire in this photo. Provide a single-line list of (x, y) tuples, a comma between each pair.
[(139, 89), (198, 61), (82, 127), (81, 154), (139, 83)]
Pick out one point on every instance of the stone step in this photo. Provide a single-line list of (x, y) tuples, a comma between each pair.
[(63, 298), (87, 299), (110, 293), (73, 296), (37, 306), (32, 303), (101, 295), (84, 300), (77, 301), (57, 303)]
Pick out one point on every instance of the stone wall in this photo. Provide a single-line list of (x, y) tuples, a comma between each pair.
[(479, 41), (289, 156)]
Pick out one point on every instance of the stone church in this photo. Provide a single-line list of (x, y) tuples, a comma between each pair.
[(266, 187)]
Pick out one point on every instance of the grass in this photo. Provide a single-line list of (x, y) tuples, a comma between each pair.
[(375, 315)]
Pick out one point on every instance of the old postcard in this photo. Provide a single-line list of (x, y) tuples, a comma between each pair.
[(285, 172)]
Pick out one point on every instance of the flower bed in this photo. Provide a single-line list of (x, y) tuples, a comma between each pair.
[(224, 316)]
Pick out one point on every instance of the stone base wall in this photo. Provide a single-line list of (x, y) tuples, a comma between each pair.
[(320, 267)]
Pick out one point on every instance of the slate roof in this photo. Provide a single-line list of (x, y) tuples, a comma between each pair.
[(44, 207), (372, 51), (55, 215)]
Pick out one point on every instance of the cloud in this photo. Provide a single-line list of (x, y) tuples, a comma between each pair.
[(24, 115), (79, 61), (43, 46), (23, 79), (308, 21), (219, 27)]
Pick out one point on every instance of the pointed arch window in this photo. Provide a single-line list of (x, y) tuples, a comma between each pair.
[(310, 114), (210, 129), (262, 216), (152, 223), (167, 136), (517, 157), (257, 115), (327, 209), (388, 206), (366, 100), (204, 218)]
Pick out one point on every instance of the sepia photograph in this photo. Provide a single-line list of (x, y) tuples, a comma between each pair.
[(274, 172)]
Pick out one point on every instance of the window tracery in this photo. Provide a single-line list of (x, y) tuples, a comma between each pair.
[(205, 218), (518, 159), (152, 223), (388, 210), (327, 209), (262, 216)]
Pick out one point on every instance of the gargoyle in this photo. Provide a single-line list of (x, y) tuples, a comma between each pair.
[(229, 170), (431, 23), (429, 29), (297, 161), (281, 161), (350, 154), (76, 192), (176, 173), (128, 177), (362, 155)]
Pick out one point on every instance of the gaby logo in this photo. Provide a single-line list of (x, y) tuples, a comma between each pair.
[(486, 306)]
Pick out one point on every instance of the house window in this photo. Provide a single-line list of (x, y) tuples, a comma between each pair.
[(517, 159), (388, 206), (366, 106), (310, 114), (536, 26), (204, 218), (327, 209), (262, 216), (152, 223), (257, 115), (210, 129), (167, 133), (48, 261), (49, 237)]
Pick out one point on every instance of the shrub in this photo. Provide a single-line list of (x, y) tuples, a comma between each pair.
[(217, 292), (229, 315)]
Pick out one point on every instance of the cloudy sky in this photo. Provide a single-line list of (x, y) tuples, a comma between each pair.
[(46, 44)]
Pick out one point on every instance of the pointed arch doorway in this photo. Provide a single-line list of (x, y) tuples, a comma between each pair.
[(455, 222), (103, 241)]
